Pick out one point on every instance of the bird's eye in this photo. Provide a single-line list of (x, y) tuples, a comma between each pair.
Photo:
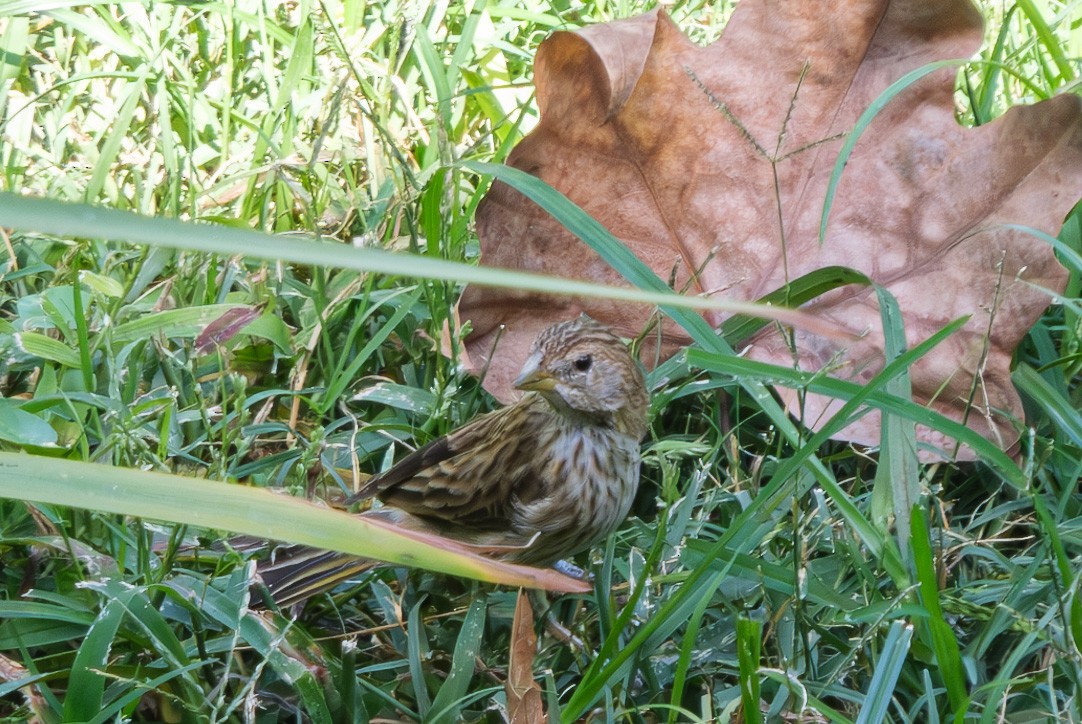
[(583, 363)]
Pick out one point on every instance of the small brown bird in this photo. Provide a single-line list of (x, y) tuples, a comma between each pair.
[(534, 482)]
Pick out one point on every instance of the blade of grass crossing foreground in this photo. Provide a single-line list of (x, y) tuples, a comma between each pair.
[(881, 689), (940, 636), (250, 511), (84, 221)]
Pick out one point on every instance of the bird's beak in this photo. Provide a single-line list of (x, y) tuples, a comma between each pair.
[(533, 378)]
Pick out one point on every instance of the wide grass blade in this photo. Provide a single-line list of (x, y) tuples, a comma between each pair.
[(250, 511)]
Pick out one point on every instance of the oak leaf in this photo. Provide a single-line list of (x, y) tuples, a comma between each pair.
[(712, 164)]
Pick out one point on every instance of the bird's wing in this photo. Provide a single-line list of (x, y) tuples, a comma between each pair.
[(473, 475)]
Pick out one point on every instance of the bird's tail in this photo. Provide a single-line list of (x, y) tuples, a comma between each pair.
[(296, 573)]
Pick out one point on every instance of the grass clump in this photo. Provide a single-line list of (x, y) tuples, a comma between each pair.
[(758, 577)]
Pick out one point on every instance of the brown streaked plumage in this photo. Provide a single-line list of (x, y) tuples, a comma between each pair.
[(534, 482)]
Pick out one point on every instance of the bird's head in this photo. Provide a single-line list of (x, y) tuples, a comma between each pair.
[(586, 371)]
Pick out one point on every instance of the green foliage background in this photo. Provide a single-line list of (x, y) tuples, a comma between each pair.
[(761, 574)]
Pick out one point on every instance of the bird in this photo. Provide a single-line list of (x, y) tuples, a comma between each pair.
[(534, 482)]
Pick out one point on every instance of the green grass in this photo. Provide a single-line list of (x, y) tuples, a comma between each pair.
[(766, 571)]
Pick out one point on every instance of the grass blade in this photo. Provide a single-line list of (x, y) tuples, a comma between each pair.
[(898, 476), (800, 290), (887, 669), (940, 635), (1063, 413), (250, 511), (86, 684), (862, 124), (814, 382), (749, 634), (82, 221), (446, 705)]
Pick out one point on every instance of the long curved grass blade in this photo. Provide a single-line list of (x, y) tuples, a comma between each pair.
[(254, 512), (842, 390), (865, 120), (630, 267), (83, 221)]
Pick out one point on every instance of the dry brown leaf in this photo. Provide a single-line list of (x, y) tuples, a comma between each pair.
[(523, 693), (719, 158), (11, 670)]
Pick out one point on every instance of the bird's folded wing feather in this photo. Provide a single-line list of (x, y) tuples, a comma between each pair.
[(473, 475)]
